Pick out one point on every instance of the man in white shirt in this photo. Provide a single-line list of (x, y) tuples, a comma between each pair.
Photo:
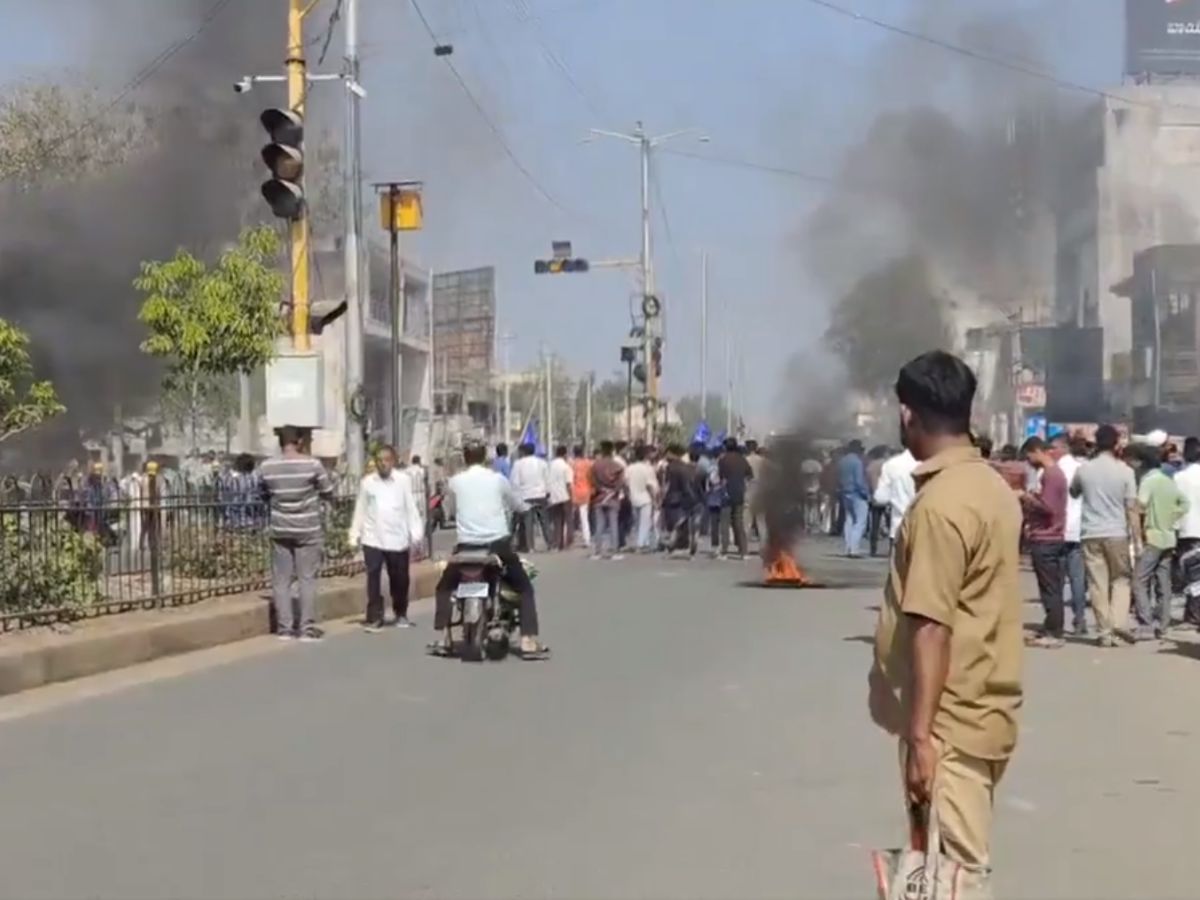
[(484, 499), (642, 485), (387, 524), (896, 488), (531, 479), (1072, 453), (561, 477), (1188, 481)]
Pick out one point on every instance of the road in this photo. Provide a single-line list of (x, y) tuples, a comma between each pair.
[(692, 738)]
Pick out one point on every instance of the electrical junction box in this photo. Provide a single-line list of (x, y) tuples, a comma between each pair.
[(295, 390)]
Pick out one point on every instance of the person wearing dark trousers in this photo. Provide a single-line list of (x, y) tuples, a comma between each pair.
[(561, 477), (387, 524), (1046, 518), (484, 500), (736, 474), (531, 479)]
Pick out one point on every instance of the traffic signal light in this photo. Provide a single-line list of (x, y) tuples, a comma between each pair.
[(558, 266), (656, 356), (284, 156)]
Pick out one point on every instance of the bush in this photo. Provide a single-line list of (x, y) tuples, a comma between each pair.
[(46, 564), (198, 552)]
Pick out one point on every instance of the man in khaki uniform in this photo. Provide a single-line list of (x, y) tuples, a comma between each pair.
[(947, 673)]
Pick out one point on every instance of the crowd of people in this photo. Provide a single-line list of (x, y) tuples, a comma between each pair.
[(637, 497)]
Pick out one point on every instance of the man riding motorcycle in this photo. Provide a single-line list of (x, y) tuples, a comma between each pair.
[(483, 501)]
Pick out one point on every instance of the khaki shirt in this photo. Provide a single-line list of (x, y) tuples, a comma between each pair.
[(956, 561)]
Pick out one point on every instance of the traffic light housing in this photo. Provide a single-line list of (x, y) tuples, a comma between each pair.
[(559, 266), (657, 356), (284, 156)]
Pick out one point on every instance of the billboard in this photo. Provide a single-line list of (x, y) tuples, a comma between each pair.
[(1162, 37)]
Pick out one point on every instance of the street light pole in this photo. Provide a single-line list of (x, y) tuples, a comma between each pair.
[(352, 165), (704, 336), (652, 329)]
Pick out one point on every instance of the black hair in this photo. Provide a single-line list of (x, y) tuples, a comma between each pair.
[(640, 452), (1078, 445), (1008, 453), (502, 449), (1033, 445), (731, 444), (290, 436), (416, 460), (1107, 438), (527, 448), (855, 446), (244, 463), (985, 446), (675, 449), (606, 448), (579, 449), (939, 388), (1191, 450), (560, 450), (476, 454), (751, 446)]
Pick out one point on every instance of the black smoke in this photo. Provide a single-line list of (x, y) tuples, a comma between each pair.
[(70, 249)]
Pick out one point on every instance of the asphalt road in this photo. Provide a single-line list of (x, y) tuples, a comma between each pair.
[(691, 738)]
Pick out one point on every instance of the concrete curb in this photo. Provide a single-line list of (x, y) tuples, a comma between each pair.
[(89, 651)]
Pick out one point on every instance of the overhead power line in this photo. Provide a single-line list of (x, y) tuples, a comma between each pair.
[(754, 166), (487, 119), (525, 13), (1011, 65), (139, 78)]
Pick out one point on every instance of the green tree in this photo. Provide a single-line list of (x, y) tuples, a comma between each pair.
[(889, 316), (54, 131), (24, 402), (212, 322)]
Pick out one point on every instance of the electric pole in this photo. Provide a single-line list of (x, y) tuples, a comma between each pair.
[(704, 336), (297, 87), (352, 170), (651, 302), (549, 423)]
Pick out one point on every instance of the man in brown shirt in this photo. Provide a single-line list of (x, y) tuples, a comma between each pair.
[(947, 673)]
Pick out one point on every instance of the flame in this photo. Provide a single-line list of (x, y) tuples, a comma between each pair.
[(782, 569)]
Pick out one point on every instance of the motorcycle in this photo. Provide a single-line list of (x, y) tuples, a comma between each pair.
[(485, 607)]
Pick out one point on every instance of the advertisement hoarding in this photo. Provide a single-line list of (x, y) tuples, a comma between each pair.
[(1162, 37)]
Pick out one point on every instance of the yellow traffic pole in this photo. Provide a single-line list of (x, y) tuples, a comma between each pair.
[(297, 88)]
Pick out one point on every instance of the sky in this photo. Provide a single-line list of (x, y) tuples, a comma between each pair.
[(777, 83)]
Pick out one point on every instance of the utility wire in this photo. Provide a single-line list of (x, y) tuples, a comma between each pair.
[(491, 124), (979, 56), (525, 13), (666, 218), (334, 17), (753, 166), (140, 77)]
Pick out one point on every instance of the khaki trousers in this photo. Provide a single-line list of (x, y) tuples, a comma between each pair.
[(1108, 575), (964, 789)]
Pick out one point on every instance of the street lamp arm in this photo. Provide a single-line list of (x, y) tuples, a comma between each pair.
[(599, 132)]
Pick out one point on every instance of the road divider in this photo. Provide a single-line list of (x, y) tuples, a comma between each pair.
[(43, 656)]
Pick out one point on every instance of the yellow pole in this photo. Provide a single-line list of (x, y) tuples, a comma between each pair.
[(297, 87)]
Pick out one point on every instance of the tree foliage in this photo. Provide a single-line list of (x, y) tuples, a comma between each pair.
[(211, 322), (60, 131), (889, 316), (24, 402)]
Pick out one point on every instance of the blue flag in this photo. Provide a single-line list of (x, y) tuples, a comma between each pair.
[(703, 434), (530, 435)]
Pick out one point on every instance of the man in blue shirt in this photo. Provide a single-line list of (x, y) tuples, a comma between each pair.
[(855, 496), (502, 463)]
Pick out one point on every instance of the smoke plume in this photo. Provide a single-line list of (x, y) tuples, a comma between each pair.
[(70, 248)]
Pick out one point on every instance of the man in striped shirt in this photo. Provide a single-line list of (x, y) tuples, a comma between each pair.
[(293, 484)]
